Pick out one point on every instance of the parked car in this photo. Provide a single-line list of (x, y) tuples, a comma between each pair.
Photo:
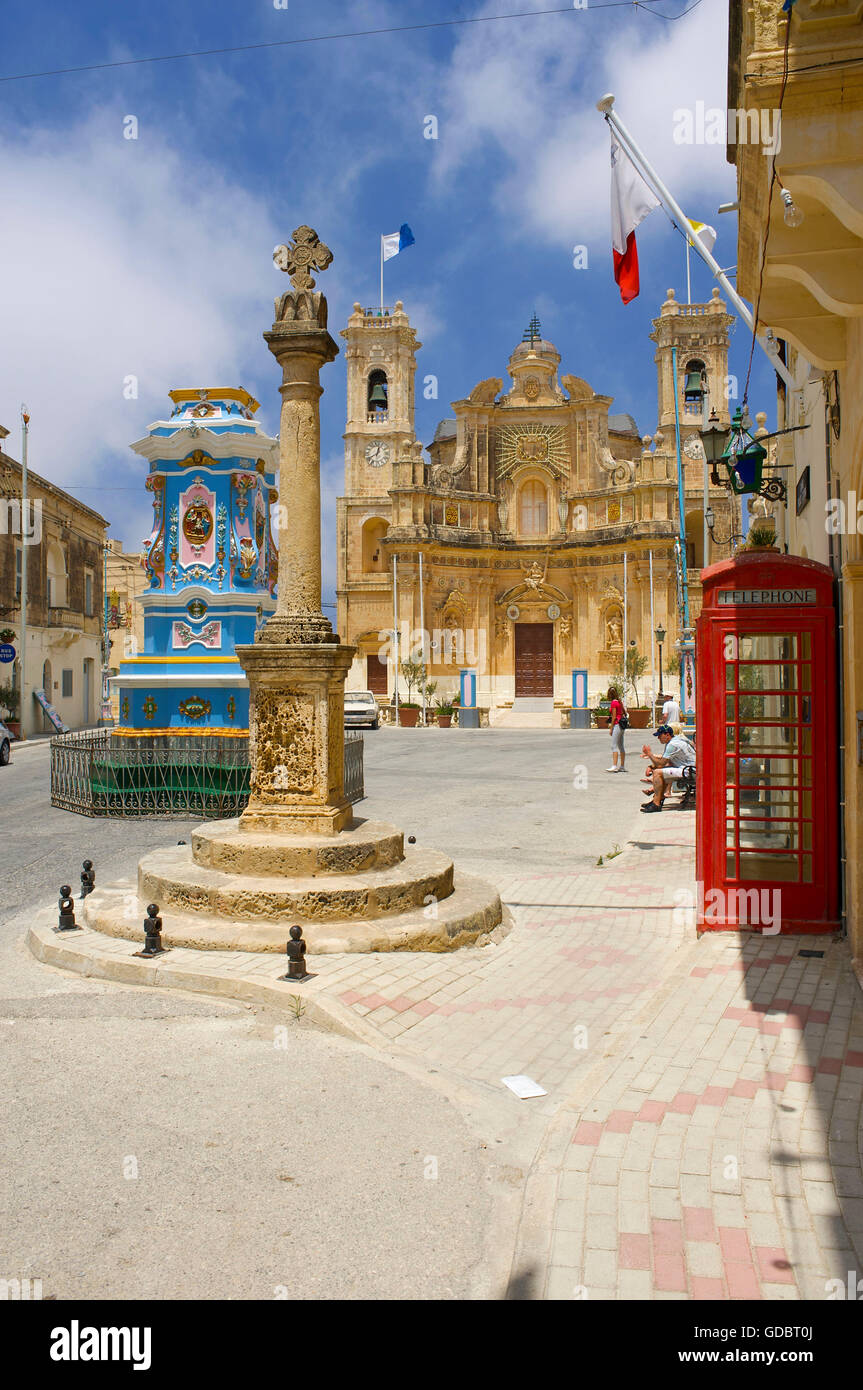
[(5, 744), (361, 707)]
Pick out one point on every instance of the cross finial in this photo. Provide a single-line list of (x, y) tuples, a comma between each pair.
[(533, 333), (305, 254)]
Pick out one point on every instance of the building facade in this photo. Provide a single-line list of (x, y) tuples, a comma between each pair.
[(540, 535), (126, 581), (61, 541), (800, 258)]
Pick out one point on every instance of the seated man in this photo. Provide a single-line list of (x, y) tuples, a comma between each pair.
[(665, 768)]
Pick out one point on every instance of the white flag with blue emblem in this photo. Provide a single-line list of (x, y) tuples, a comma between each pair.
[(396, 241)]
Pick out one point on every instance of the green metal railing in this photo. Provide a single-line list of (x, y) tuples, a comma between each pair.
[(95, 773)]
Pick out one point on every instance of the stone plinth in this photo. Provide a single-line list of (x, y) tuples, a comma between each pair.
[(296, 737), (356, 890)]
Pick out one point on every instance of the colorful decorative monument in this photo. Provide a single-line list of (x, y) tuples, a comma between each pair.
[(296, 856), (211, 564)]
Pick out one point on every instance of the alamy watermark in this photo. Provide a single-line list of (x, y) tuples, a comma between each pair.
[(717, 907), (24, 522), (711, 125)]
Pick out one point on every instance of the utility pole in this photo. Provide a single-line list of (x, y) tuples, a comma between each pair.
[(22, 656)]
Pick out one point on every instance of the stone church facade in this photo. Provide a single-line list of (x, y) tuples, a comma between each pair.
[(503, 550)]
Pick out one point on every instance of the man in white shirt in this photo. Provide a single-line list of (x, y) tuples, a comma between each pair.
[(665, 768), (671, 710)]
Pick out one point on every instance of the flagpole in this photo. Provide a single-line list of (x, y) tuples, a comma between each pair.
[(688, 284), (382, 275), (606, 107)]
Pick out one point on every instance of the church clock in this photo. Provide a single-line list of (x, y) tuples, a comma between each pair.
[(377, 453)]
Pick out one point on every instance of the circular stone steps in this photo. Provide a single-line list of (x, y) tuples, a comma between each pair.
[(171, 878), (472, 915), (363, 845)]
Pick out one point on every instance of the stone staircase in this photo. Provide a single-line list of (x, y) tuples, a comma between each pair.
[(359, 890)]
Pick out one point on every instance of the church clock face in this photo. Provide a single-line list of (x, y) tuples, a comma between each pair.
[(377, 453)]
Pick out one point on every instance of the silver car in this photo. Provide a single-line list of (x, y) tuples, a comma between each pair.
[(5, 744), (361, 707)]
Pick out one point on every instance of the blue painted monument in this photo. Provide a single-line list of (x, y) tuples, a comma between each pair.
[(211, 564)]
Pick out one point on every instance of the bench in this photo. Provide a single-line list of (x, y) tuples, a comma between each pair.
[(686, 780)]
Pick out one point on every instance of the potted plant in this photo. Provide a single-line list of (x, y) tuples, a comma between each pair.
[(761, 537), (10, 700), (444, 709), (626, 677), (415, 674)]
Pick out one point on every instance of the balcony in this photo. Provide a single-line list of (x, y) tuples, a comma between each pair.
[(812, 271)]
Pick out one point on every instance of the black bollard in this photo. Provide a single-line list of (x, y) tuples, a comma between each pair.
[(412, 839), (66, 921), (152, 933), (296, 952), (88, 877)]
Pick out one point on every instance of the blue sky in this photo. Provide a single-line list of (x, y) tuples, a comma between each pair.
[(153, 257)]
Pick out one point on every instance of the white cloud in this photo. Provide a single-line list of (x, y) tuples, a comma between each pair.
[(524, 96), (121, 259)]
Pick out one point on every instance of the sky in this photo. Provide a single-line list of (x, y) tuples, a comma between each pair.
[(151, 258)]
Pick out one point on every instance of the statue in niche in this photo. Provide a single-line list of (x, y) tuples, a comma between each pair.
[(614, 629)]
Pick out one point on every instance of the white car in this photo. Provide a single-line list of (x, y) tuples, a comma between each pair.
[(361, 707), (5, 744)]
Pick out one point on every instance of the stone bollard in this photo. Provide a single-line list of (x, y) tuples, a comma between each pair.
[(88, 878), (152, 934), (296, 952), (66, 921)]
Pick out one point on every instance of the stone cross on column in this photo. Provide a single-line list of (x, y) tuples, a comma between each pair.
[(297, 667)]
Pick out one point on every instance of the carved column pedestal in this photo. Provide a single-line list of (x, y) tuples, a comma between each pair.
[(296, 738)]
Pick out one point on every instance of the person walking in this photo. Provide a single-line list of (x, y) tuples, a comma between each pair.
[(617, 725)]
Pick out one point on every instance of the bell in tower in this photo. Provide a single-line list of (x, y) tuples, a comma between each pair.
[(378, 403)]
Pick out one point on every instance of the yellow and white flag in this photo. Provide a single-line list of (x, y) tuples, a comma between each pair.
[(706, 234)]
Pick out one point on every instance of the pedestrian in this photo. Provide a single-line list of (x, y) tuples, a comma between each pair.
[(618, 723), (670, 710)]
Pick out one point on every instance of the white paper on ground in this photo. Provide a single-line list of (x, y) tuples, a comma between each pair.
[(523, 1087)]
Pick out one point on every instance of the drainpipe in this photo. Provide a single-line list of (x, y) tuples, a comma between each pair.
[(835, 543)]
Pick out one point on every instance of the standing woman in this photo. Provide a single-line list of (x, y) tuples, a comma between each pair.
[(617, 724)]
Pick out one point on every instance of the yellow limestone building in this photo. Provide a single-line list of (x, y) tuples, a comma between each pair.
[(507, 541)]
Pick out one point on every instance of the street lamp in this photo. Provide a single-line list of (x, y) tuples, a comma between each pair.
[(714, 438), (660, 638)]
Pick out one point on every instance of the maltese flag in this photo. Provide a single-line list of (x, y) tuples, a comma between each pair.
[(631, 201)]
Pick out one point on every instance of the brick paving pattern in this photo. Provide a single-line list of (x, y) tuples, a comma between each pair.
[(704, 1106)]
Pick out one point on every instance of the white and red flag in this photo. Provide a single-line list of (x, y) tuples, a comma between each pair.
[(631, 201)]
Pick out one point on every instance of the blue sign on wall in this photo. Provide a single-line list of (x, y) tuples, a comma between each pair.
[(7, 651)]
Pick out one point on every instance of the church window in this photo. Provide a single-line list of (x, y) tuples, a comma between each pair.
[(374, 558), (533, 509)]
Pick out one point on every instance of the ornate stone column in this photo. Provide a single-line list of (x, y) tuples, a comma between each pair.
[(297, 666)]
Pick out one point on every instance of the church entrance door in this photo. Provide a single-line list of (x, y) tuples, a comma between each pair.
[(376, 675), (534, 660)]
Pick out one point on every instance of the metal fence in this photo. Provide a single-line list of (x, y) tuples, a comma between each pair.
[(95, 773)]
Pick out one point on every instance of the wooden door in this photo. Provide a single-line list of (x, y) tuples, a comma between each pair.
[(534, 660), (376, 675)]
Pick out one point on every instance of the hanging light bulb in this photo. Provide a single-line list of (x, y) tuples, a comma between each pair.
[(791, 213)]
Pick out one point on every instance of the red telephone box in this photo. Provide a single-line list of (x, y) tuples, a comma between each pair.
[(767, 800)]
